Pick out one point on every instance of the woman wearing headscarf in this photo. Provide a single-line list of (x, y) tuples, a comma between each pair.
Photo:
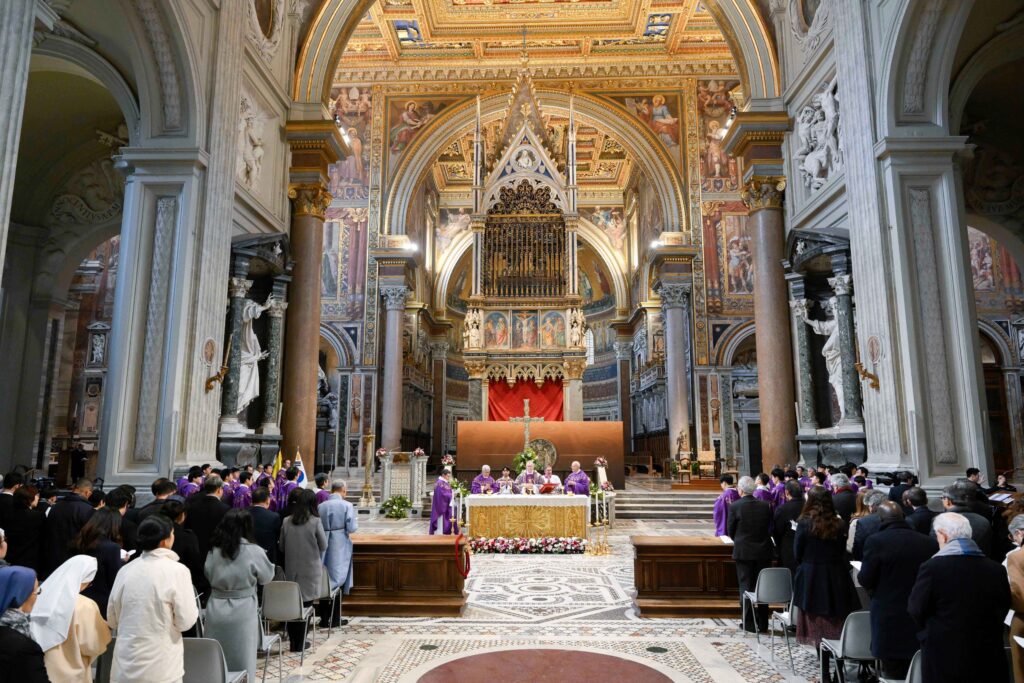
[(234, 567), (67, 625), (21, 658)]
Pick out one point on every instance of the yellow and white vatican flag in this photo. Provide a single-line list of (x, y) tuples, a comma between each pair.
[(278, 462)]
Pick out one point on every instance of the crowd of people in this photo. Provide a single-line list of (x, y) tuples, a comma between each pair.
[(77, 569), (940, 583)]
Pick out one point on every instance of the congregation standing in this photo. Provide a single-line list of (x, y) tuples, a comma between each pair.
[(76, 569)]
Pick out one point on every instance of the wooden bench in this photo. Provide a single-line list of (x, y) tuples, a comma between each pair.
[(685, 576), (640, 459)]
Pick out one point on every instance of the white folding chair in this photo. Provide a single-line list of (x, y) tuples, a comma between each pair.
[(282, 602), (913, 673), (328, 593), (785, 620), (266, 646), (774, 587), (201, 621), (204, 663), (854, 645)]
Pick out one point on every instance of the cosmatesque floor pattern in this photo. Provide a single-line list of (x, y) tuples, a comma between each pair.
[(578, 603)]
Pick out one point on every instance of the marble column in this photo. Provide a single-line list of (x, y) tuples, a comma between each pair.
[(763, 195), (302, 333), (623, 351), (275, 344), (725, 392), (439, 360), (842, 285), (238, 287), (675, 299), (573, 388), (16, 21), (805, 379), (391, 404)]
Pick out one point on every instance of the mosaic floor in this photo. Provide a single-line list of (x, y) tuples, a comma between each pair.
[(577, 603)]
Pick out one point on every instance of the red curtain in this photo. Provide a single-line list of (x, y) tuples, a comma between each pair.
[(504, 401)]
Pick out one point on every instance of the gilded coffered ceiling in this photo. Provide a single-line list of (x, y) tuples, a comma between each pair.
[(396, 36)]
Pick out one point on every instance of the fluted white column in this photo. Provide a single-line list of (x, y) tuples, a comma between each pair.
[(391, 405), (675, 299)]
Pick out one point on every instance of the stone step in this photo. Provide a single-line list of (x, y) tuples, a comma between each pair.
[(660, 514)]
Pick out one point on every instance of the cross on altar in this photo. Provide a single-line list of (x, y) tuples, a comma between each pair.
[(526, 420)]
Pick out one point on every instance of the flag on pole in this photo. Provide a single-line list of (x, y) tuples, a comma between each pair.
[(302, 480), (278, 461)]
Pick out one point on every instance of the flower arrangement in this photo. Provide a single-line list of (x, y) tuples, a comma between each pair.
[(419, 452), (447, 460), (548, 545), (397, 507), (601, 462), (607, 486), (381, 452), (459, 487), (527, 455)]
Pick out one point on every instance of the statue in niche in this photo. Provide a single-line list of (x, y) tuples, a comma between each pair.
[(833, 360), (250, 147), (252, 354), (471, 331), (97, 349), (577, 327)]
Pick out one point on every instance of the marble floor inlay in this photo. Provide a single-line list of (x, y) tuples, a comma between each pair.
[(576, 602)]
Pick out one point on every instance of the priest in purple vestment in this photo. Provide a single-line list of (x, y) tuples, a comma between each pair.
[(728, 496), (528, 481), (189, 484), (281, 491), (243, 492), (484, 482), (764, 489), (577, 481), (778, 488), (322, 488), (863, 472), (441, 505)]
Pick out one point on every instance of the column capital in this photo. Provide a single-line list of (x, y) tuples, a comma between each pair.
[(574, 368), (674, 294), (394, 297), (439, 350), (309, 200), (764, 192), (842, 285), (801, 307), (239, 286), (623, 350), (277, 308)]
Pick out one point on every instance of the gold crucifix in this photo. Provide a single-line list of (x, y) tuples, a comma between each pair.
[(526, 420)]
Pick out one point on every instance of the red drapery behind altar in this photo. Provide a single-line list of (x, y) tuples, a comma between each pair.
[(504, 401)]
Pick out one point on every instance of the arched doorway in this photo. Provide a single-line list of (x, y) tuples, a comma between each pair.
[(1000, 429)]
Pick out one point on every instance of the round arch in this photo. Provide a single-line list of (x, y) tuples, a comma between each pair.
[(1004, 48), (650, 155), (340, 344), (740, 21), (1002, 344), (731, 341)]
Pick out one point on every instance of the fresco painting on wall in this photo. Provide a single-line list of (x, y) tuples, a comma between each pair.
[(660, 111), (728, 257), (407, 118), (353, 108), (329, 264), (524, 330), (739, 255), (649, 208), (715, 103), (552, 330), (343, 272), (451, 224), (496, 331), (998, 289), (610, 221), (981, 260)]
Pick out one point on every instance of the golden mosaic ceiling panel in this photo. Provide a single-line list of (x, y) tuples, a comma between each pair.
[(406, 33)]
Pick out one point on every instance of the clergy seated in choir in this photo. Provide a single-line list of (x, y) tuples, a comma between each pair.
[(727, 497), (577, 483), (528, 481), (506, 484), (484, 482), (549, 482), (441, 506)]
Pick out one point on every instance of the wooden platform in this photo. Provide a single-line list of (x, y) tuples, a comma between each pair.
[(698, 485), (405, 576), (685, 576)]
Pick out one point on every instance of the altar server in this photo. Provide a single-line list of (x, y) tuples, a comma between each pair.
[(507, 484), (578, 482), (484, 482), (441, 506)]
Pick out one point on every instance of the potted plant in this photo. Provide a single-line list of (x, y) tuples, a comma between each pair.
[(397, 507), (526, 455)]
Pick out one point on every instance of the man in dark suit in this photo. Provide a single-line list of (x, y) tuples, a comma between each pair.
[(12, 482), (783, 529), (843, 496), (959, 602), (749, 526), (892, 557), (869, 524), (920, 520), (204, 512), (63, 523), (957, 498), (904, 483), (266, 525), (163, 488)]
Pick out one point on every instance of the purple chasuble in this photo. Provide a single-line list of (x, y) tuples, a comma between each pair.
[(242, 498), (263, 480), (805, 483), (481, 484), (764, 494), (441, 508), (868, 484), (227, 495), (280, 496), (722, 509), (778, 495), (578, 482), (322, 495), (189, 489)]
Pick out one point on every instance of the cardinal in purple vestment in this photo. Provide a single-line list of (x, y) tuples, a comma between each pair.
[(577, 481), (441, 506), (729, 495), (484, 482)]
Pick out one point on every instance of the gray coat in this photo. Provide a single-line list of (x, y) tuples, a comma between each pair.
[(303, 547), (231, 613), (339, 520)]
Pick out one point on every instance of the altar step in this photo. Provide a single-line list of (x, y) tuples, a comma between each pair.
[(664, 505)]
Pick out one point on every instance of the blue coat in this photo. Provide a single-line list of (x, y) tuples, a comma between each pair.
[(339, 519)]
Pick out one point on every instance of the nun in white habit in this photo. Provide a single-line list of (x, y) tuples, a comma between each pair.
[(67, 625)]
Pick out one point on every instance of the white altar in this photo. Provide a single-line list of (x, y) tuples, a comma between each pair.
[(522, 516)]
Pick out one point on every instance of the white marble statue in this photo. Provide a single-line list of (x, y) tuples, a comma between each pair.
[(833, 361), (98, 349), (577, 327), (251, 354), (818, 155), (473, 317)]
